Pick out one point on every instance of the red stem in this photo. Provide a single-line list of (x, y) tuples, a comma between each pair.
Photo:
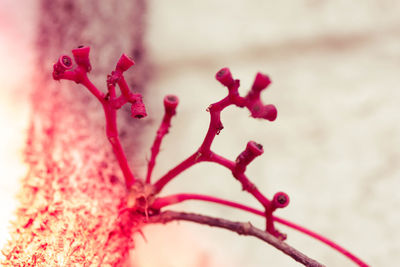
[(215, 124), (184, 165), (241, 177), (155, 148), (174, 199), (89, 85), (123, 85), (170, 104), (204, 152), (113, 137), (79, 75)]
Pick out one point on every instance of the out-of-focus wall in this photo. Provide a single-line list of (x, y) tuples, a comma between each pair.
[(16, 66)]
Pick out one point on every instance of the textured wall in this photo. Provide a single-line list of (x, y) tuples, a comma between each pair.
[(70, 198)]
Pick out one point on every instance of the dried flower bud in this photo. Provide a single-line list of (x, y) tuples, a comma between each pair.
[(269, 112), (64, 63), (124, 63), (280, 200), (224, 76), (254, 148), (81, 56), (138, 110), (261, 82), (170, 104), (252, 151)]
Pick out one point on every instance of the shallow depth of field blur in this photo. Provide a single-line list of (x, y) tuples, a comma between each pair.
[(334, 148)]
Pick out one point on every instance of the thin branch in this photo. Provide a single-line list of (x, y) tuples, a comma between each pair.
[(170, 104), (178, 198), (238, 227)]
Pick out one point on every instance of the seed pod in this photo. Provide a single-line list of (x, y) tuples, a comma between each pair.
[(138, 110), (81, 56), (124, 63), (63, 63), (261, 81), (224, 76), (280, 200), (170, 104), (269, 112), (252, 151)]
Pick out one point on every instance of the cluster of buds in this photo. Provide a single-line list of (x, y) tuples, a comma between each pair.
[(252, 101), (143, 194), (144, 197), (62, 69), (64, 64)]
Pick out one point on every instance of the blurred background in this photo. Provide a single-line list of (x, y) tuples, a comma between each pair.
[(334, 147)]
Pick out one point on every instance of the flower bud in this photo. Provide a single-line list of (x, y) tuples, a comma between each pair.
[(124, 63), (224, 76), (269, 112), (63, 63), (280, 200), (81, 56), (138, 110), (261, 82), (252, 151), (254, 148), (170, 104)]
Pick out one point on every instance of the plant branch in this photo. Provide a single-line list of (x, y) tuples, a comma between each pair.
[(238, 227), (110, 102), (162, 202), (141, 197), (204, 153), (170, 104)]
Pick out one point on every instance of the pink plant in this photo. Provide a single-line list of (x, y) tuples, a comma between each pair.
[(143, 194)]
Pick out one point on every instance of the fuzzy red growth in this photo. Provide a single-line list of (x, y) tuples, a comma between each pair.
[(143, 199)]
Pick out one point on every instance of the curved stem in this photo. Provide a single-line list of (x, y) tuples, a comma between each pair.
[(215, 123), (247, 185), (155, 148), (238, 227), (187, 163), (91, 87), (174, 199)]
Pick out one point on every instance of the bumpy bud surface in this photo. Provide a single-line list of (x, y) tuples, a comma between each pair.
[(138, 110)]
